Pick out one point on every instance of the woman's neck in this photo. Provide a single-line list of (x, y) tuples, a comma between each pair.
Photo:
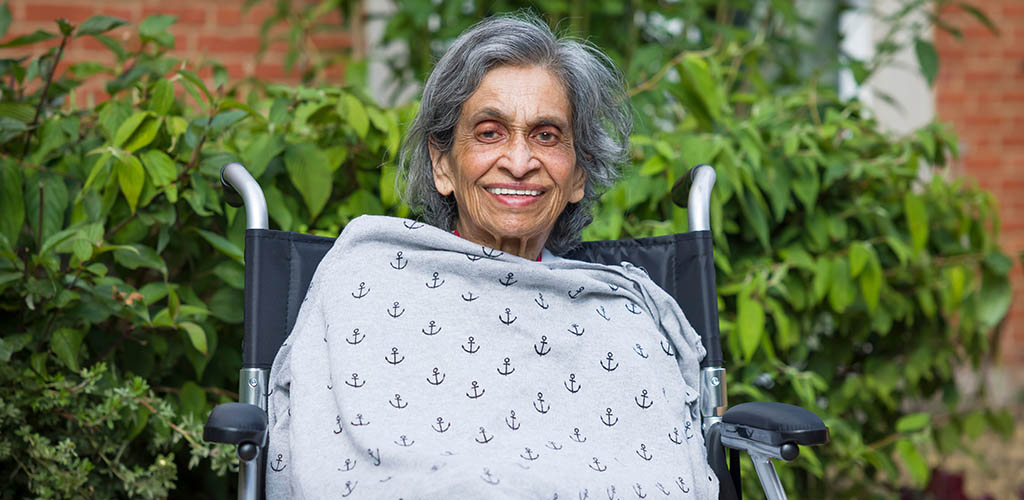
[(527, 248)]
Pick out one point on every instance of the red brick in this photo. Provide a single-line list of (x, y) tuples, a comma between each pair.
[(50, 11), (233, 16), (247, 44), (186, 15)]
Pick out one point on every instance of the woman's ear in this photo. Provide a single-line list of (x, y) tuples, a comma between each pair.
[(579, 183), (443, 180)]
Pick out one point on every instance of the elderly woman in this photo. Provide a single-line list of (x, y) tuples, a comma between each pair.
[(463, 358)]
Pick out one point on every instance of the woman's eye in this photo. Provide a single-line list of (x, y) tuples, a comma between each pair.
[(546, 137)]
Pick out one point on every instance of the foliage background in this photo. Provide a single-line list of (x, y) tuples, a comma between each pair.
[(854, 276)]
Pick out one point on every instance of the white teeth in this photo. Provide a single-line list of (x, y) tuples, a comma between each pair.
[(514, 192)]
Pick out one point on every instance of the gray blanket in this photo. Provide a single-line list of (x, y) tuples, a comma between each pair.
[(422, 365)]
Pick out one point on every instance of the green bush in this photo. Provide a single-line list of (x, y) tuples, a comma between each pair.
[(853, 276)]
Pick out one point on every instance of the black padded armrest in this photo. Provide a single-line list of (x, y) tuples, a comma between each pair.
[(236, 423), (775, 424)]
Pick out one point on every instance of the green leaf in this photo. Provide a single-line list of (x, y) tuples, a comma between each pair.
[(37, 36), (155, 28), (143, 135), (750, 323), (994, 298), (65, 27), (161, 97), (842, 293), (917, 220), (193, 399), (11, 344), (980, 16), (352, 109), (927, 58), (310, 173), (913, 422), (912, 459), (131, 176), (5, 19), (822, 281), (96, 25), (223, 245), (135, 255), (54, 201), (871, 281), (192, 78), (161, 167), (860, 252), (66, 343), (12, 202), (196, 335), (128, 127)]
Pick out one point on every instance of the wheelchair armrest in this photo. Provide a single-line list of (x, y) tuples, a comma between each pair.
[(772, 428), (236, 423)]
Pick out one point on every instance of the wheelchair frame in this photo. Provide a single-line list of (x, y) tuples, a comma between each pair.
[(765, 430)]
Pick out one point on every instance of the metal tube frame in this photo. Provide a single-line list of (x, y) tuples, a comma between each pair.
[(252, 382), (762, 455)]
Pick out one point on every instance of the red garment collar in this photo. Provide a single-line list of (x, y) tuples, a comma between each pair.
[(459, 235)]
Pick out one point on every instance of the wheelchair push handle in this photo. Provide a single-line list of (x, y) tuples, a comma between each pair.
[(241, 189)]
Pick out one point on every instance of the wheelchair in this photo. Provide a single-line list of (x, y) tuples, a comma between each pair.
[(279, 266)]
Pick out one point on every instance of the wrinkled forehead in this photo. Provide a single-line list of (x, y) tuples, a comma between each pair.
[(519, 96)]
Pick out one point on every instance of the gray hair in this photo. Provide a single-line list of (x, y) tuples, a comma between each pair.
[(601, 114)]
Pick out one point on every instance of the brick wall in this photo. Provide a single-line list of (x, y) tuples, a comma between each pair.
[(205, 30), (980, 90)]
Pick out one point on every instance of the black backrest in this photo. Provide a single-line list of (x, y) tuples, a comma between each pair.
[(279, 266)]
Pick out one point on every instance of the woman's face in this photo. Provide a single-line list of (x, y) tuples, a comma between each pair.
[(512, 166)]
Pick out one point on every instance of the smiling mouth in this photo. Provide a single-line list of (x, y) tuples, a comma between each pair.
[(514, 192)]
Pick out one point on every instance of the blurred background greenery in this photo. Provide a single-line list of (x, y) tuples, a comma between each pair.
[(856, 276)]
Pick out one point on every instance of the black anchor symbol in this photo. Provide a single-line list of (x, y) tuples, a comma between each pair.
[(385, 480), (601, 312), (540, 301), (477, 392), (435, 375), (363, 290), (441, 425), (689, 431), (643, 399), (355, 381), (327, 331), (434, 329), (539, 404), (553, 445), (662, 488), (338, 421), (400, 262), (483, 434), (576, 330), (349, 465), (682, 484), (508, 280), (507, 371), (667, 348), (448, 453), (491, 253), (394, 357), (435, 283), (613, 287), (543, 349), (607, 418), (513, 425), (611, 492), (597, 466), (642, 453), (471, 350), (330, 385), (413, 225), (639, 490), (607, 363), (376, 458), (571, 384), (405, 441), (573, 295), (398, 402), (393, 311), (527, 467), (473, 258), (508, 319), (488, 478), (471, 298), (349, 487), (584, 494), (359, 421), (637, 348), (530, 455), (355, 337), (276, 466), (575, 436), (633, 308), (674, 436)]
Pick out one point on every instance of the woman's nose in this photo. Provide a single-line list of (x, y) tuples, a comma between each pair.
[(520, 158)]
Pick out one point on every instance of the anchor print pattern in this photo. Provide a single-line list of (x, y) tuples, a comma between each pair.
[(432, 321)]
